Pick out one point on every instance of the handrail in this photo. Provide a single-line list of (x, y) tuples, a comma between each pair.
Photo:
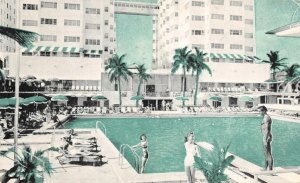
[(100, 122), (256, 174), (136, 156), (27, 153)]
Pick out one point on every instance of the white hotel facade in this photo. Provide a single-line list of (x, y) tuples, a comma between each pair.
[(78, 36)]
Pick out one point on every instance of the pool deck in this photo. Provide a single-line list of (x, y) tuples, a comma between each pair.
[(111, 172)]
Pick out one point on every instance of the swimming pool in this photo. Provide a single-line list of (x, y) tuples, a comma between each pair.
[(166, 135)]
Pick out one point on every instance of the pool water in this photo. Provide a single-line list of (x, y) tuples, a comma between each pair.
[(166, 138)]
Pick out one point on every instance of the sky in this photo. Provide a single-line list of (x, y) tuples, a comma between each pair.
[(134, 33)]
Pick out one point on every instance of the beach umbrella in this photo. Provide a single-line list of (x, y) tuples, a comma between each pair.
[(137, 97), (60, 98), (182, 98), (246, 98), (215, 98), (36, 100), (271, 81), (98, 97), (4, 103)]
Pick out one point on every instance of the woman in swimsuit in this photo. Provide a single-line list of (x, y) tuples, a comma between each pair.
[(191, 150), (144, 145)]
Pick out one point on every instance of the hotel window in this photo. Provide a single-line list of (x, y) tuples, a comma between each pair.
[(106, 35), (217, 45), (30, 7), (198, 3), (249, 7), (72, 22), (197, 18), (105, 22), (69, 6), (92, 41), (217, 31), (74, 39), (106, 9), (197, 32), (217, 2), (48, 38), (106, 49), (29, 22), (236, 32), (92, 26), (199, 46), (236, 3), (249, 49), (92, 11), (48, 21), (249, 35), (45, 4), (249, 21), (235, 17), (236, 46), (217, 16)]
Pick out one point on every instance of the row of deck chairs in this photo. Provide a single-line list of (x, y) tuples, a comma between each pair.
[(80, 150), (208, 109), (86, 88)]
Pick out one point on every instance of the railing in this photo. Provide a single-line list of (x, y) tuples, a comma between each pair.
[(136, 156), (157, 94), (26, 153), (102, 124), (256, 174)]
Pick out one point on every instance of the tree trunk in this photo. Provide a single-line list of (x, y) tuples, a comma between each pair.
[(138, 92), (119, 88), (183, 89), (196, 88)]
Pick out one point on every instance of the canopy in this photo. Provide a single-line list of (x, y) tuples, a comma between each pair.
[(246, 99), (182, 98), (60, 98), (98, 97), (272, 81), (138, 97), (215, 98)]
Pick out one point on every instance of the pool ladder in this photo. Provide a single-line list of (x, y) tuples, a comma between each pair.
[(102, 124), (122, 149)]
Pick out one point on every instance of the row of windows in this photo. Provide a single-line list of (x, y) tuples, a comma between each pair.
[(48, 21), (72, 22), (92, 41), (92, 11), (45, 4), (92, 26), (30, 7), (70, 6), (197, 18), (198, 3), (197, 32), (221, 31), (232, 47), (48, 38), (74, 39)]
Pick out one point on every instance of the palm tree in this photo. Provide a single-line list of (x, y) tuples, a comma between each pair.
[(143, 76), (214, 165), (29, 167), (292, 71), (181, 60), (117, 69), (276, 64), (197, 64)]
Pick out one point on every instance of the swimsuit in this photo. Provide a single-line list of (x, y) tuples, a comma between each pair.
[(191, 151)]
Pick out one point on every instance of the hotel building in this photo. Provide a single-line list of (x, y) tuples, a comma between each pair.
[(77, 37), (7, 45)]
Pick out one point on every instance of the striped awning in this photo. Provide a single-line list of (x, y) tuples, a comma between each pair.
[(56, 49), (227, 56)]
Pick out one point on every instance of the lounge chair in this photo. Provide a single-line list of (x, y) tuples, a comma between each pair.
[(77, 88), (104, 110), (123, 110)]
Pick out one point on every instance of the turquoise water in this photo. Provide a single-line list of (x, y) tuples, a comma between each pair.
[(166, 135)]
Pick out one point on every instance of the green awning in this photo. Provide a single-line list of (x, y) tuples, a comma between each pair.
[(65, 49), (227, 56), (73, 50), (213, 55), (47, 49), (81, 50), (240, 56), (28, 50), (233, 56), (220, 55), (38, 48), (55, 49)]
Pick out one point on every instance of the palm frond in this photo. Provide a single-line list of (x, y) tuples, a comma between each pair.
[(22, 37)]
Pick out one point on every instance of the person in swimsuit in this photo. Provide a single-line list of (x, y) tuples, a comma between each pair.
[(144, 145), (191, 150), (267, 137)]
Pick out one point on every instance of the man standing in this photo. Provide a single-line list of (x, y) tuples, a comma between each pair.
[(267, 137)]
